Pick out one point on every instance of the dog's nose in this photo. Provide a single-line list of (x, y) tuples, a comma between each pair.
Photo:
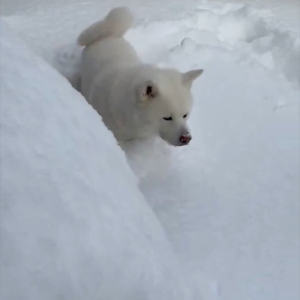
[(185, 139)]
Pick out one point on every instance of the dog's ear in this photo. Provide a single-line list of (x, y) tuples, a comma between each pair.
[(190, 76), (148, 91)]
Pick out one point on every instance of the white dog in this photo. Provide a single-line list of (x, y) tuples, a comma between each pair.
[(135, 100)]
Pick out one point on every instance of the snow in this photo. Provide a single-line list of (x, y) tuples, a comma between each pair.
[(228, 204), (74, 224)]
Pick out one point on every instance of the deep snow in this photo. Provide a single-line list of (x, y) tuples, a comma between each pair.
[(229, 203), (74, 224)]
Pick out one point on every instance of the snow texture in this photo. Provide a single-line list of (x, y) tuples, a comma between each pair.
[(228, 203), (74, 224)]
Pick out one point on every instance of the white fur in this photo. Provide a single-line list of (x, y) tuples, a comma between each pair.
[(133, 98)]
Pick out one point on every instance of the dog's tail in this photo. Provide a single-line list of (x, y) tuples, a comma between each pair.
[(115, 24)]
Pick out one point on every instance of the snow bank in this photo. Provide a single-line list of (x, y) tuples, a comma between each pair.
[(73, 223), (252, 34), (230, 200)]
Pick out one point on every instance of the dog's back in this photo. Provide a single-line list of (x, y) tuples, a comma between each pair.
[(115, 24), (105, 48)]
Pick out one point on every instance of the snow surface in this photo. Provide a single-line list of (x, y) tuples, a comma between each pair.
[(74, 224), (229, 202)]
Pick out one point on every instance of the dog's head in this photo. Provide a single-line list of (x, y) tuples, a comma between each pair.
[(166, 98)]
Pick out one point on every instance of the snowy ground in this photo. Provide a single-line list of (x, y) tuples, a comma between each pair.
[(229, 202)]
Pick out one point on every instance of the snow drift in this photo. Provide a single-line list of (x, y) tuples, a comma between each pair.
[(73, 223), (229, 202)]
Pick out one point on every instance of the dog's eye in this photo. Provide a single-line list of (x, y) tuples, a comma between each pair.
[(185, 116), (168, 119)]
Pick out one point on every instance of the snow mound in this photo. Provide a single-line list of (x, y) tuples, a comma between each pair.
[(230, 200), (74, 224), (252, 34)]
